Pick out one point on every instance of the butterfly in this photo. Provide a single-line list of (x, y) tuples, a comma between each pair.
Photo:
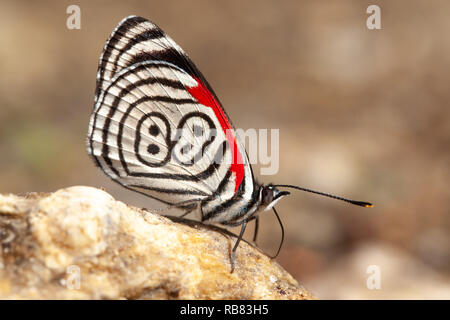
[(159, 129)]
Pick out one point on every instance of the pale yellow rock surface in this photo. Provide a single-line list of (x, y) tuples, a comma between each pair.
[(80, 243)]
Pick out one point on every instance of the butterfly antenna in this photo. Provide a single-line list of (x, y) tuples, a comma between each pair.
[(357, 203)]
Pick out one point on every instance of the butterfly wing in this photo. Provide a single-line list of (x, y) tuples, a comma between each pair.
[(157, 126)]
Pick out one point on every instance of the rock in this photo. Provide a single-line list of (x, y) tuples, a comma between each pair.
[(80, 243)]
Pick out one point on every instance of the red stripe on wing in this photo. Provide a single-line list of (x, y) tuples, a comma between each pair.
[(204, 96)]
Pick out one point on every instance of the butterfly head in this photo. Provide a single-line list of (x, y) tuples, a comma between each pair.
[(269, 195)]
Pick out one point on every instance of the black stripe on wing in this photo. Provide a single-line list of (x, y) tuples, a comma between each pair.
[(168, 190), (112, 44)]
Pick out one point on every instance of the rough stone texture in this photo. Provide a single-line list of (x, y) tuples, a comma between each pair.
[(80, 243)]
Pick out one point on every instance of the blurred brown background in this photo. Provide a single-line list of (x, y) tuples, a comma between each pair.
[(362, 113)]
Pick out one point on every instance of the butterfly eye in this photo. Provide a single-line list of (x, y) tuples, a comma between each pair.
[(267, 196)]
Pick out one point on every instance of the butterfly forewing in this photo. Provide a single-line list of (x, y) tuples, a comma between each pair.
[(157, 126)]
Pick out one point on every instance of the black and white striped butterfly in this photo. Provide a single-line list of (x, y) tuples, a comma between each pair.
[(159, 129)]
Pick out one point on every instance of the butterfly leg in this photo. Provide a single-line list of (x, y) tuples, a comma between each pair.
[(233, 251), (201, 211), (255, 234)]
